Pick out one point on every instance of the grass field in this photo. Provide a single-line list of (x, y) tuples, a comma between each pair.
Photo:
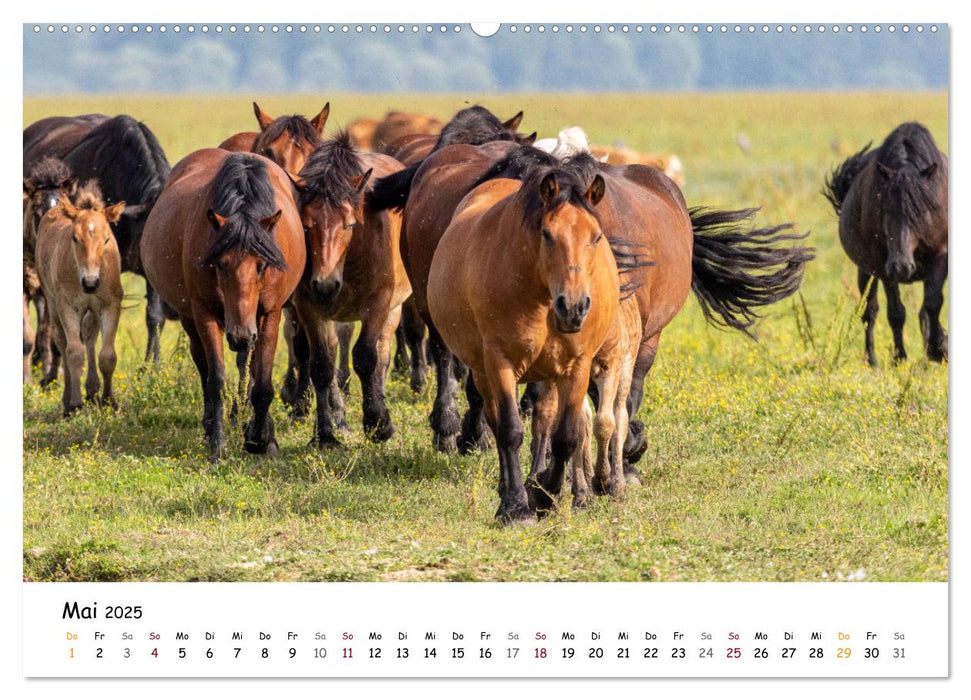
[(787, 459)]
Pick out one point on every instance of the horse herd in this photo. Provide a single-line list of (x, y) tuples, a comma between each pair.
[(546, 265)]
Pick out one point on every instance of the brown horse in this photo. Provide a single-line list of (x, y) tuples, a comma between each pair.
[(80, 271), (473, 125), (361, 133), (394, 125), (287, 141), (225, 247), (354, 273), (49, 181), (893, 224), (523, 287), (56, 137)]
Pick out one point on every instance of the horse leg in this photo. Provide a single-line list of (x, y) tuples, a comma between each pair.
[(413, 329), (529, 398), (345, 332), (199, 358), (604, 426), (211, 338), (502, 414), (154, 321), (50, 355), (473, 435), (320, 337), (89, 337), (896, 316), (869, 313), (259, 435), (581, 466), (935, 339), (401, 359), (444, 418), (544, 420), (571, 393), (29, 339), (296, 382), (73, 351), (242, 364), (107, 357), (377, 420), (635, 440)]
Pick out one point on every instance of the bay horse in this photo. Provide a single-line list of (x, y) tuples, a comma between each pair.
[(225, 247), (893, 225), (48, 182), (128, 162), (80, 271), (361, 131), (523, 287), (394, 125), (287, 140), (354, 272), (474, 125)]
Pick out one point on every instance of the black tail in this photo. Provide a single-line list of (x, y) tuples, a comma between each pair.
[(391, 191), (839, 181), (735, 272)]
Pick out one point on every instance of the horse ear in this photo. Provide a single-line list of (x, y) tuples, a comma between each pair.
[(28, 188), (298, 182), (114, 212), (269, 222), (513, 123), (320, 120), (135, 210), (597, 189), (216, 221), (549, 188), (262, 117), (929, 171), (359, 182), (884, 169), (530, 140), (71, 186), (67, 206)]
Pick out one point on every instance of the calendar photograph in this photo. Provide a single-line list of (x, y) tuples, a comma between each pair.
[(655, 303)]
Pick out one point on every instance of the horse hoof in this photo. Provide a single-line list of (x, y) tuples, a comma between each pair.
[(380, 429), (631, 475), (582, 500), (541, 499), (519, 514), (447, 444), (599, 487), (268, 449), (327, 442), (70, 411)]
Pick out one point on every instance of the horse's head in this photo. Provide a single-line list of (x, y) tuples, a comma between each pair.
[(91, 236), (568, 234), (331, 191), (906, 199), (242, 255), (329, 224), (48, 182), (289, 141)]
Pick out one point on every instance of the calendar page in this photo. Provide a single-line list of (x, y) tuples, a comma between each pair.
[(525, 350)]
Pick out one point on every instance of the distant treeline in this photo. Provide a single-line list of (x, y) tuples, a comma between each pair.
[(433, 62)]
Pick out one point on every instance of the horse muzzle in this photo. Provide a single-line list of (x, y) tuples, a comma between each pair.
[(900, 269), (90, 284), (326, 291), (569, 317), (241, 339)]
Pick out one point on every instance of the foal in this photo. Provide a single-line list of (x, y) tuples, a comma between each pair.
[(80, 272)]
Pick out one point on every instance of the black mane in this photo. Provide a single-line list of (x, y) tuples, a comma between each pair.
[(571, 191), (475, 126), (328, 171), (243, 195), (837, 185), (126, 158), (903, 158), (297, 126), (520, 161), (49, 173)]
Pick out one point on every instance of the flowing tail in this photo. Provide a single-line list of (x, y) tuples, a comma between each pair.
[(839, 181), (737, 271), (391, 192)]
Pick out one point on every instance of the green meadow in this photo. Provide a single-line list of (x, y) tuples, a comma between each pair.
[(786, 459)]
